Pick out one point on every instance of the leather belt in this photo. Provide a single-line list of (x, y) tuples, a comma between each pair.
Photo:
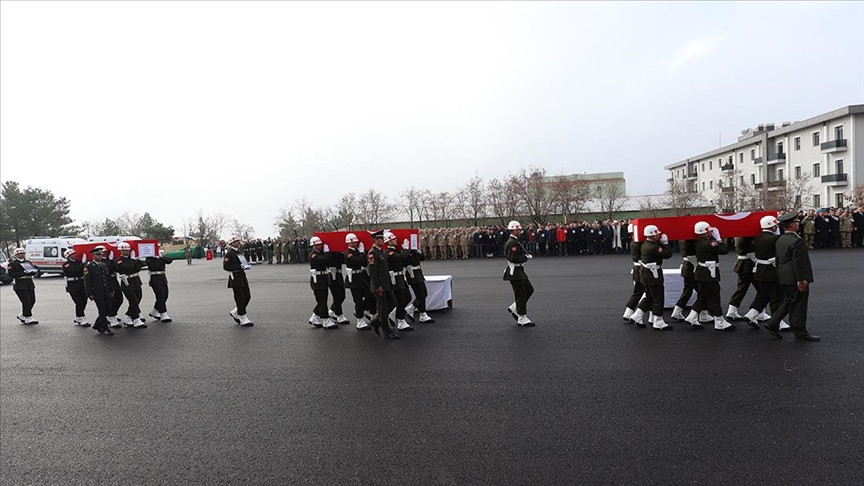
[(157, 272), (23, 276), (73, 279)]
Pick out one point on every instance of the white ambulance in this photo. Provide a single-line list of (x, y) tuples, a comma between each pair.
[(47, 253)]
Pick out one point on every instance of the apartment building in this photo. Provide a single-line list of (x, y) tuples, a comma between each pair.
[(824, 155)]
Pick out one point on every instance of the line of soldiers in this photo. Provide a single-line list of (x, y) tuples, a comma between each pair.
[(832, 228), (97, 281), (777, 266)]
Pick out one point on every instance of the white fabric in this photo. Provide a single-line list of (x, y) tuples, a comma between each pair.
[(673, 283), (439, 290)]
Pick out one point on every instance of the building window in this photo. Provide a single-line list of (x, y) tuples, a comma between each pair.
[(703, 166), (752, 178), (710, 184), (815, 139), (752, 154), (838, 164), (838, 132), (703, 185), (797, 171), (816, 201), (816, 171), (741, 158), (797, 143), (780, 174), (779, 147), (838, 200), (710, 165), (730, 160), (798, 201), (741, 180)]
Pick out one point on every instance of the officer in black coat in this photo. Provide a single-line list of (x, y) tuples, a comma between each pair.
[(417, 282), (396, 259), (515, 274), (381, 285), (357, 280), (159, 284), (128, 269), (23, 271), (73, 273), (318, 281), (235, 262), (99, 289)]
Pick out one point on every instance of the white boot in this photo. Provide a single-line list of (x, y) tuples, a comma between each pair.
[(732, 313), (705, 317), (139, 322), (651, 316), (245, 322), (141, 319), (628, 313), (363, 324), (784, 326), (721, 324), (341, 319), (128, 321), (403, 326), (164, 317), (410, 310), (763, 316), (693, 319), (21, 318), (424, 318), (512, 311), (392, 315), (660, 324), (524, 321), (234, 315), (637, 316), (750, 317), (678, 313), (155, 314), (315, 321), (80, 321), (329, 324), (30, 320)]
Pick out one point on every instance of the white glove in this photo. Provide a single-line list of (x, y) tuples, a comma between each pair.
[(664, 239), (405, 244), (246, 267), (716, 233), (529, 256)]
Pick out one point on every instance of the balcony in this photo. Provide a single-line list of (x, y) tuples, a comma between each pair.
[(778, 157), (835, 179), (770, 185), (834, 146), (727, 189), (757, 160), (727, 167), (691, 175)]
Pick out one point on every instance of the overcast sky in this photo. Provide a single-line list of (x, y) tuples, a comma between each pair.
[(244, 107)]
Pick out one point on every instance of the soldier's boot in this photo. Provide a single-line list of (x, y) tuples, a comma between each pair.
[(763, 316), (21, 318), (425, 319), (750, 317), (783, 326), (129, 322), (315, 320), (363, 324), (392, 316), (637, 317), (409, 311), (155, 314), (523, 321), (693, 320), (142, 320), (81, 321), (660, 324), (678, 314), (721, 324), (139, 322), (114, 322), (402, 325), (512, 311), (705, 317), (30, 320), (628, 312), (164, 317), (233, 314), (245, 322), (329, 324), (732, 313)]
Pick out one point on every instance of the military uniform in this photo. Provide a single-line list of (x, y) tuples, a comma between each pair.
[(23, 271), (417, 281), (336, 283), (73, 273), (357, 280), (638, 287), (396, 260), (764, 277), (318, 281), (688, 267), (746, 260), (235, 263), (130, 284), (382, 288), (652, 254), (100, 289), (113, 305), (159, 284), (707, 277), (515, 274)]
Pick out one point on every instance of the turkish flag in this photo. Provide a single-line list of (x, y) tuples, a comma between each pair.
[(335, 240), (681, 227), (139, 248)]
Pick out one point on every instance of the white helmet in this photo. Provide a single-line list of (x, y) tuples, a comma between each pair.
[(514, 225), (315, 241), (651, 230), (768, 222), (233, 239), (124, 246), (389, 236), (701, 228), (351, 238), (68, 252), (19, 251)]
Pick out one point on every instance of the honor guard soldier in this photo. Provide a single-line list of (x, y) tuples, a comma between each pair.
[(336, 284), (632, 311), (23, 271), (688, 268), (159, 284), (653, 251), (73, 273), (515, 274), (396, 260), (357, 280), (116, 301), (130, 284), (768, 289), (99, 289), (318, 281), (381, 286), (744, 267), (709, 245), (795, 275), (235, 262), (414, 274)]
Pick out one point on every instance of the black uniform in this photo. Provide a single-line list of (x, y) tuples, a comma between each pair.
[(743, 268), (416, 280), (98, 286), (652, 255), (688, 267), (318, 281), (128, 269), (113, 305), (23, 272), (335, 281), (379, 278), (765, 273), (708, 280), (638, 288), (515, 274), (73, 271), (159, 281), (793, 266), (357, 280), (396, 260), (236, 263)]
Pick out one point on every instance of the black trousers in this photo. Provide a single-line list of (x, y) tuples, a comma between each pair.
[(80, 299), (655, 296), (709, 298), (522, 290), (133, 296), (161, 293), (384, 304), (338, 293), (795, 306), (767, 293), (362, 302), (28, 299), (686, 292), (102, 308), (638, 290), (420, 293), (320, 309), (744, 281), (113, 304), (242, 296), (403, 298)]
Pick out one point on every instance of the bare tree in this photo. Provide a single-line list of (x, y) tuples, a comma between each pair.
[(373, 209), (287, 224), (650, 205), (570, 194), (471, 197), (856, 197), (242, 230), (412, 204), (503, 201), (681, 198), (345, 214), (534, 193), (611, 198)]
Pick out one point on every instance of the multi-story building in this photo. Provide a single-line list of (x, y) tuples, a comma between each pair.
[(817, 162)]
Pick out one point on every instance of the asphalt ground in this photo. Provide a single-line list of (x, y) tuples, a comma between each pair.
[(471, 399)]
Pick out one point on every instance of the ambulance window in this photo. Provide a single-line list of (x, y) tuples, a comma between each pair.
[(50, 251)]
